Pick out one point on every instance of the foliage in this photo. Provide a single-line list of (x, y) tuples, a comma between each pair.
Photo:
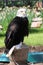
[(41, 15), (18, 2), (1, 3), (25, 2), (31, 15), (6, 16)]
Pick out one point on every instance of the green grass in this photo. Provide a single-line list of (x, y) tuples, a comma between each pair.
[(2, 38), (34, 39), (2, 42)]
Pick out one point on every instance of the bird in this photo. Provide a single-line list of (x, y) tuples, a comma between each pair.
[(17, 29)]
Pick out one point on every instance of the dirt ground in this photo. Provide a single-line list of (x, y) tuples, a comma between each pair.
[(31, 48)]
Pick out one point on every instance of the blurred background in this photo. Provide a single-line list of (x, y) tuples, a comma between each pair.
[(8, 10)]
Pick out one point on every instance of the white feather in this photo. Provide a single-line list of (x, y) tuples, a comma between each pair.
[(21, 12)]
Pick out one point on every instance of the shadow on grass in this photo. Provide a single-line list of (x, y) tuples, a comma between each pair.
[(36, 30), (2, 35)]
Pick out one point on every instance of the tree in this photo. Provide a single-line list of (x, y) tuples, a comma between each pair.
[(18, 2)]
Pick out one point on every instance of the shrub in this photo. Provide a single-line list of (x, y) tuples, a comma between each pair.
[(18, 2)]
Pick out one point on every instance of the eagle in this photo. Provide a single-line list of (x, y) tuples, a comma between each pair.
[(16, 31)]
